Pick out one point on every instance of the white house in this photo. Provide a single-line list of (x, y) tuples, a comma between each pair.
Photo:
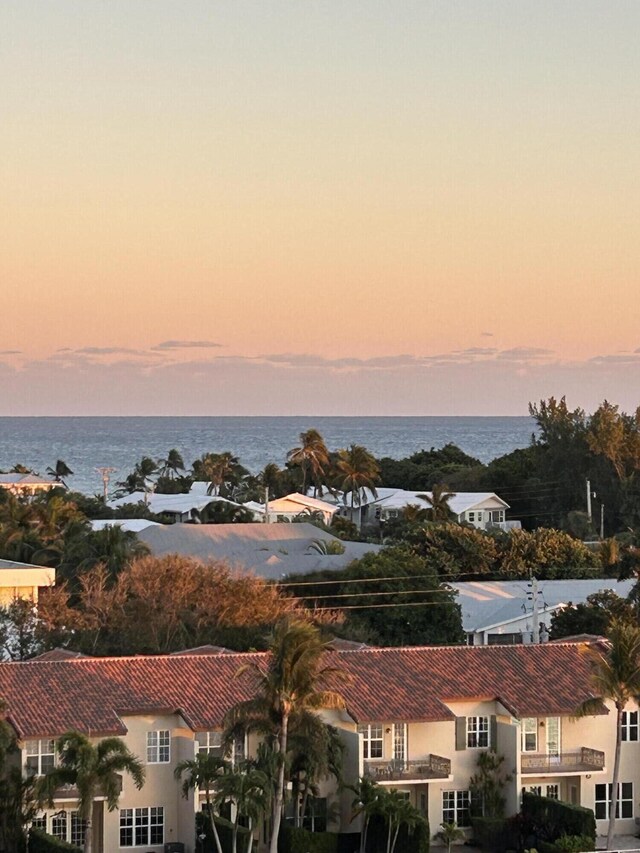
[(501, 612), (28, 485), (480, 509), (182, 507), (294, 505)]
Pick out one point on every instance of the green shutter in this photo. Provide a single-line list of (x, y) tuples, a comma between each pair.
[(493, 733), (461, 733)]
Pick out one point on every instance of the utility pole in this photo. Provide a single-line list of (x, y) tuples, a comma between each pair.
[(106, 473), (535, 615), (589, 500), (602, 521), (266, 505)]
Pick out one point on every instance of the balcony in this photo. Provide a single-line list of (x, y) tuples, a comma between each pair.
[(397, 770), (584, 760)]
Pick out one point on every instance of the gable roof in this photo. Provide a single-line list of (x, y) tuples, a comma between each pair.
[(30, 479), (459, 502), (92, 695)]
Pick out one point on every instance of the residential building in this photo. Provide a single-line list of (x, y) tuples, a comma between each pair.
[(415, 719), (501, 612), (28, 485), (269, 550), (23, 580), (482, 510), (180, 508), (294, 506)]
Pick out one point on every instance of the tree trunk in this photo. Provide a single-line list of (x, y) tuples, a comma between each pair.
[(214, 828), (389, 836), (614, 781), (363, 834), (250, 837), (395, 838), (88, 835), (279, 799)]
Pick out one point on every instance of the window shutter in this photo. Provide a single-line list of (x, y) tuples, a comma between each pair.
[(461, 733), (493, 732)]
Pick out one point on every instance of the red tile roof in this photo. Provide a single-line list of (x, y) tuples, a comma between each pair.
[(48, 697)]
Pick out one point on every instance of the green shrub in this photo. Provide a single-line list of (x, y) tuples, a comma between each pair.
[(492, 834), (296, 840), (417, 840), (40, 842), (568, 844), (551, 819)]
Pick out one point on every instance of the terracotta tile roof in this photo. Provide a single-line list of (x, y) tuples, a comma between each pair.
[(47, 697)]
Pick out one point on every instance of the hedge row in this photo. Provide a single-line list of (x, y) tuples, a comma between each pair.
[(551, 819), (294, 839), (40, 842)]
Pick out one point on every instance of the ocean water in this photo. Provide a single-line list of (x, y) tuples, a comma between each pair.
[(89, 442)]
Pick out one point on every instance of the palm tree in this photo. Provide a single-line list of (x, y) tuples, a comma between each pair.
[(438, 501), (247, 790), (92, 769), (312, 456), (292, 685), (60, 471), (203, 773), (357, 469), (366, 804), (316, 753), (397, 811), (616, 678), (449, 834), (172, 465), (218, 469)]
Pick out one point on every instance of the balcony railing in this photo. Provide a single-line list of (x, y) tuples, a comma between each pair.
[(583, 760), (398, 770)]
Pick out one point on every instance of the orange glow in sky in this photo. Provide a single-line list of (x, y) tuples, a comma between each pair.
[(376, 207)]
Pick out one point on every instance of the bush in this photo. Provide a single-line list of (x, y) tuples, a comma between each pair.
[(40, 842), (568, 844), (416, 840), (296, 840), (551, 819), (491, 833)]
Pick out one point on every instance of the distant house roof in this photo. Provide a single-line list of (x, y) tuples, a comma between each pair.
[(293, 503), (487, 604), (269, 550), (30, 479), (92, 695), (174, 504), (60, 654), (459, 502), (132, 525)]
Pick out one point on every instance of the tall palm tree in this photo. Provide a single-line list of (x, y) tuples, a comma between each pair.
[(365, 804), (316, 753), (293, 684), (203, 773), (357, 469), (438, 501), (218, 469), (616, 678), (60, 471), (247, 790), (172, 465), (94, 770), (313, 458)]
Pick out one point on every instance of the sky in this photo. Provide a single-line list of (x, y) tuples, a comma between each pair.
[(361, 207)]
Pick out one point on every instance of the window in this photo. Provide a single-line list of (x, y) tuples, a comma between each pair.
[(158, 747), (40, 756), (209, 743), (400, 742), (78, 829), (530, 734), (40, 822), (625, 800), (629, 725), (372, 740), (477, 732), (553, 792), (59, 826), (140, 827), (455, 807), (533, 789)]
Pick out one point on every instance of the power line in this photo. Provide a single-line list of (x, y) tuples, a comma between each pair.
[(376, 606), (375, 580)]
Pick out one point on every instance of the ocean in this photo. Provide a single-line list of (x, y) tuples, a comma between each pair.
[(86, 443)]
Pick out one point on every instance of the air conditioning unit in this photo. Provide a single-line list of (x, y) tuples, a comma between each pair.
[(174, 847)]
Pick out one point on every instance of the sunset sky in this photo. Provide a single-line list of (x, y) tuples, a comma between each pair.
[(347, 207)]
